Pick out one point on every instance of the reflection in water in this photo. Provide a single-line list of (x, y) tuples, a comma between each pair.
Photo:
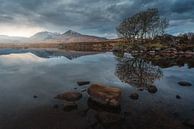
[(166, 62), (98, 107), (138, 72)]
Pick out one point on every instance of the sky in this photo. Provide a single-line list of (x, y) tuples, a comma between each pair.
[(93, 17)]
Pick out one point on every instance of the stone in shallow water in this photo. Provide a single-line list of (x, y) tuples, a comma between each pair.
[(101, 107), (81, 83), (108, 118), (69, 96), (105, 95), (70, 106), (184, 83), (178, 96), (35, 96), (134, 96), (152, 89)]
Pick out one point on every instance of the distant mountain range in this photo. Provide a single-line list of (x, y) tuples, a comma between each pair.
[(45, 36)]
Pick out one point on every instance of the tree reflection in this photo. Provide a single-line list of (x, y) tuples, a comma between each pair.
[(138, 72)]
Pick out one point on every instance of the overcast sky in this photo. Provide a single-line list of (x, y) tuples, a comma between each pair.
[(96, 17)]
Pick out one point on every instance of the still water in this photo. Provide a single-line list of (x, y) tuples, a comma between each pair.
[(30, 81)]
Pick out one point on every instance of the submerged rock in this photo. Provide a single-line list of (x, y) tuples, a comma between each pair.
[(105, 95), (56, 106), (83, 90), (35, 96), (152, 89), (69, 96), (184, 83), (70, 106), (134, 96), (108, 118), (101, 107), (178, 96), (81, 83)]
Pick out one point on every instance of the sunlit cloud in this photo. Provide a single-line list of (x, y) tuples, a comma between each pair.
[(18, 30), (99, 17)]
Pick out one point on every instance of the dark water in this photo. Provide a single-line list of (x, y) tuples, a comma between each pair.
[(29, 82)]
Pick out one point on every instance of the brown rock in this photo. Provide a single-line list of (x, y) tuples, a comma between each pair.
[(69, 96), (105, 95)]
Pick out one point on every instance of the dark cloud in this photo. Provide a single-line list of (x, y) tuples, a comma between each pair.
[(92, 16)]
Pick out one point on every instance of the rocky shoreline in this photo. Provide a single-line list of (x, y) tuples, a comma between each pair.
[(173, 52)]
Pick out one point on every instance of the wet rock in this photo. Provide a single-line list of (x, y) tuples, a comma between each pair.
[(81, 83), (101, 107), (108, 118), (140, 89), (69, 96), (70, 106), (184, 83), (35, 96), (83, 90), (105, 95), (134, 96), (152, 89), (178, 96)]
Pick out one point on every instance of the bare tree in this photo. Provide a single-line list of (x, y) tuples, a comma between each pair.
[(141, 26)]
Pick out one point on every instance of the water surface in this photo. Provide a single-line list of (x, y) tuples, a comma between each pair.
[(26, 74)]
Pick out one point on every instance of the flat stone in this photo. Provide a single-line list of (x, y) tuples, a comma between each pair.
[(81, 83), (134, 96), (69, 96), (152, 89), (184, 83), (105, 95)]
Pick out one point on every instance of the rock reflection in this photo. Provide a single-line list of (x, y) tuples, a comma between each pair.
[(138, 72), (99, 107)]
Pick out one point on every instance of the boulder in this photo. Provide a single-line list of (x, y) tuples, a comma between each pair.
[(105, 95), (184, 83), (69, 96)]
